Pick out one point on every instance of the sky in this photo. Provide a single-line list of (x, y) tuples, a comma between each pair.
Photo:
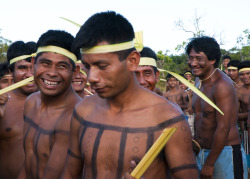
[(26, 20)]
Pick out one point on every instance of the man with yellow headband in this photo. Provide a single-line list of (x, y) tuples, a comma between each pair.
[(6, 77), (47, 113), (243, 92), (122, 120), (11, 109), (233, 73), (222, 155), (147, 72), (188, 76), (79, 79)]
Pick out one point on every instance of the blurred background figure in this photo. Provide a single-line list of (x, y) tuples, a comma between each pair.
[(6, 78)]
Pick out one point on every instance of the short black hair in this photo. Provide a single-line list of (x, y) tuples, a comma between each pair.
[(233, 63), (105, 26), (226, 57), (4, 69), (169, 76), (148, 52), (58, 38), (207, 45), (244, 64), (20, 48)]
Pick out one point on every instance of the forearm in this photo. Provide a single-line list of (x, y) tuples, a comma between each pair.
[(22, 173), (242, 116), (219, 142)]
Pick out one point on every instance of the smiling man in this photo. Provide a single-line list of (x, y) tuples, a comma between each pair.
[(233, 72), (243, 92), (122, 120), (11, 109), (47, 113), (79, 79), (147, 73), (6, 77), (222, 155)]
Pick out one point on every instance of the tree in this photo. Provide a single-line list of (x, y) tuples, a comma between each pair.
[(4, 45)]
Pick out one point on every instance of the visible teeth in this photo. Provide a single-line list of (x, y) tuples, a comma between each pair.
[(50, 82), (77, 82)]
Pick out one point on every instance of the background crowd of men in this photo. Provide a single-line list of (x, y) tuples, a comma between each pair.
[(94, 112)]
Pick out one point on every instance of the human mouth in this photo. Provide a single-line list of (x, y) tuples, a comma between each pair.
[(50, 83)]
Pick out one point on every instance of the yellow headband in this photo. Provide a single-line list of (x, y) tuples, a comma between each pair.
[(109, 48), (78, 61), (21, 58), (232, 68), (187, 73), (59, 50), (147, 61), (244, 69)]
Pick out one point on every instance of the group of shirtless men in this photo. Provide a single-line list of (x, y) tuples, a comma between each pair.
[(52, 129)]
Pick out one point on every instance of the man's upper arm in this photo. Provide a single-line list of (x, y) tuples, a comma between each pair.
[(225, 99), (74, 164), (179, 153)]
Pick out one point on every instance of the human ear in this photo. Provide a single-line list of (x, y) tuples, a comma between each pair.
[(133, 60)]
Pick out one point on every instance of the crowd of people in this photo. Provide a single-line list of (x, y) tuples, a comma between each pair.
[(93, 109)]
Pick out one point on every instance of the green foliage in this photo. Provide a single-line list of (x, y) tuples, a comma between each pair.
[(4, 45)]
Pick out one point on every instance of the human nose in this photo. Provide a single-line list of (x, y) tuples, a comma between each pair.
[(93, 76), (141, 79)]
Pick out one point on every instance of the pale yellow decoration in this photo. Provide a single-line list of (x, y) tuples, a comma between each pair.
[(78, 61), (147, 61), (88, 91), (59, 50), (193, 88), (244, 69), (153, 152), (163, 79), (109, 48), (17, 85), (187, 73), (71, 21), (138, 41), (21, 58), (83, 72), (232, 68)]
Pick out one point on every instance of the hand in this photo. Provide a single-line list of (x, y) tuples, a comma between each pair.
[(3, 100), (132, 167), (207, 172)]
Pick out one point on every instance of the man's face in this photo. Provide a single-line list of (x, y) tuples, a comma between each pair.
[(23, 70), (172, 82), (79, 79), (245, 77), (53, 73), (188, 77), (147, 77), (233, 74), (199, 63), (225, 62), (6, 80), (107, 75), (183, 86)]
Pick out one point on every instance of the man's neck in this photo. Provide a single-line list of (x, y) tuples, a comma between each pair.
[(125, 99)]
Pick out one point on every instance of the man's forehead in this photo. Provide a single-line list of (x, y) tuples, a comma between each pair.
[(99, 57), (53, 56), (144, 67)]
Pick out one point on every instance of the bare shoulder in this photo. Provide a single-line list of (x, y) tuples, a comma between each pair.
[(31, 101), (223, 85)]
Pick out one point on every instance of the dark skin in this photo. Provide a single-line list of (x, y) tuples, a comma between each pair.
[(176, 95), (248, 120), (47, 116), (11, 122), (104, 143), (213, 130), (242, 94)]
